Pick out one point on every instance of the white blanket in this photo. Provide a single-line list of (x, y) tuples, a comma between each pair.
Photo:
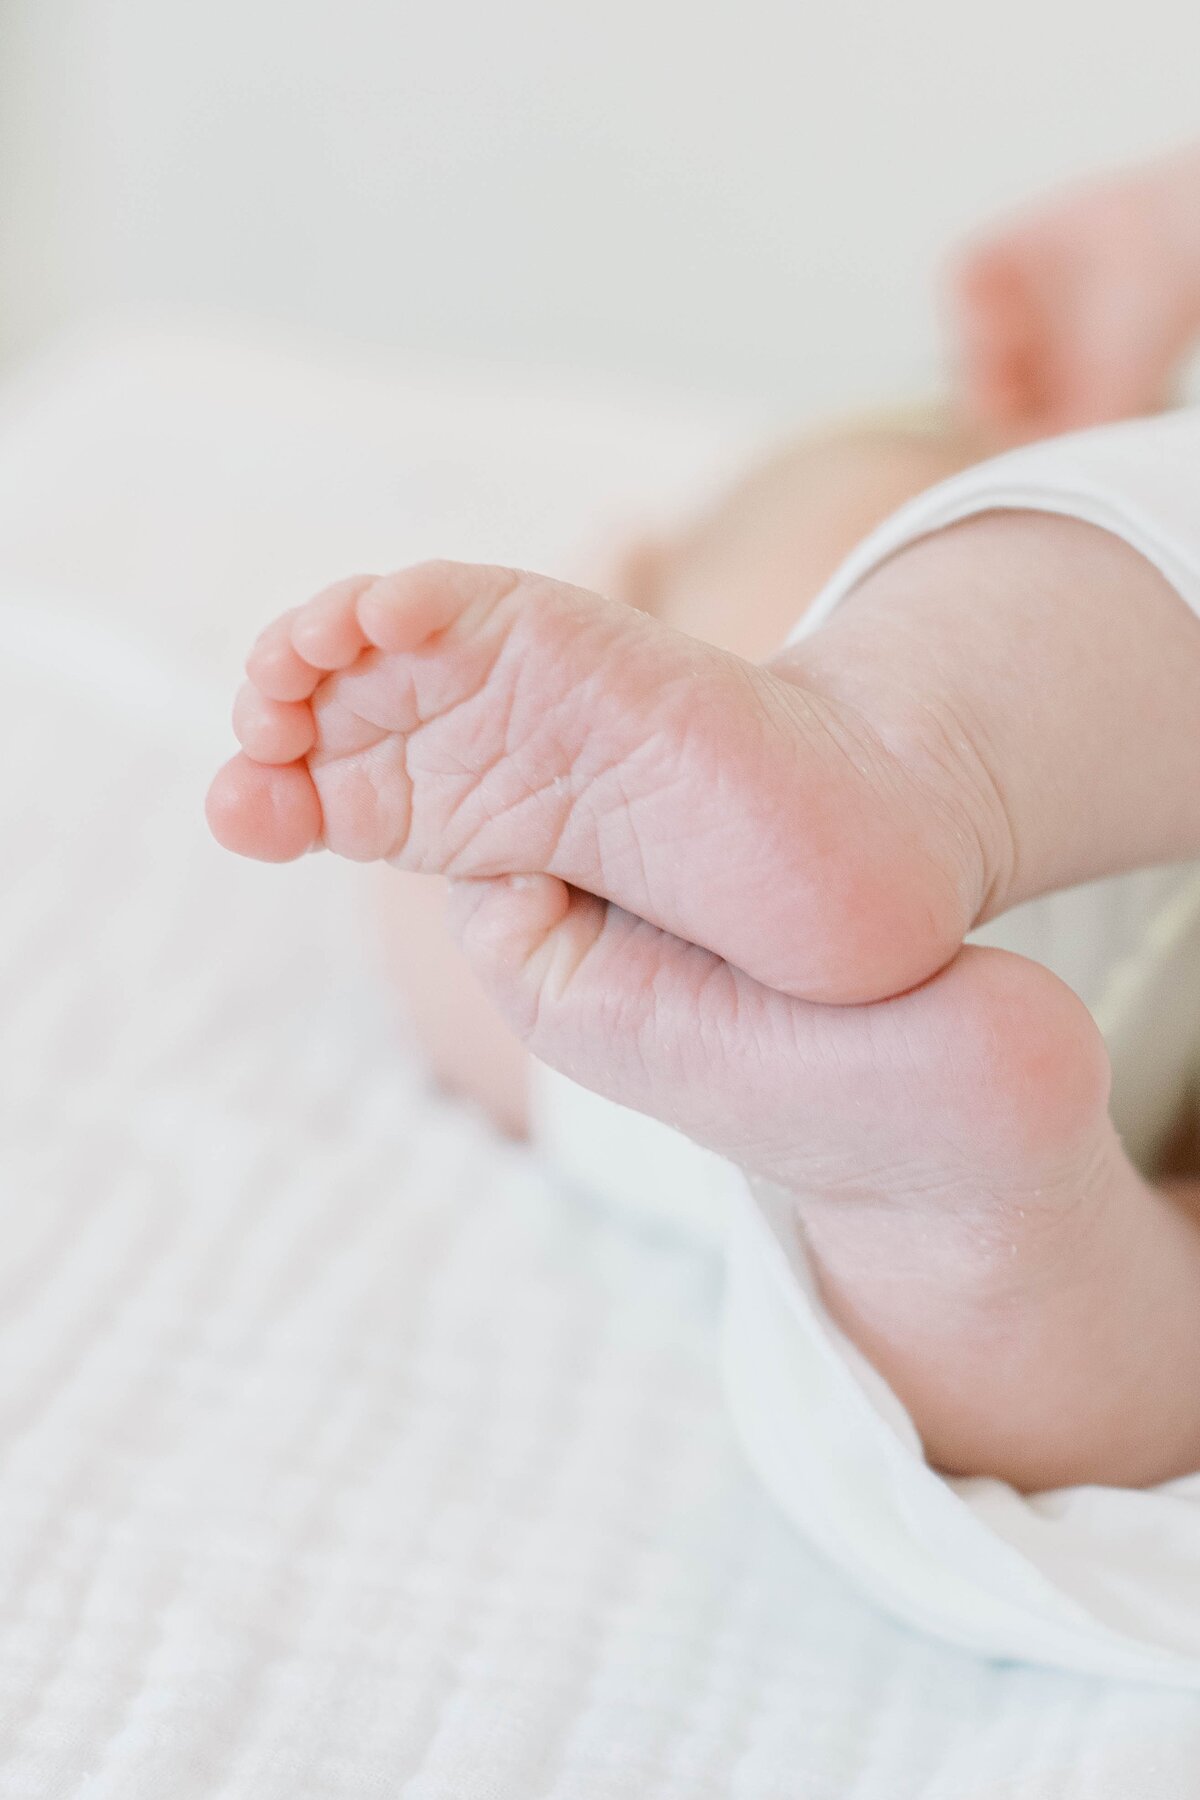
[(344, 1454)]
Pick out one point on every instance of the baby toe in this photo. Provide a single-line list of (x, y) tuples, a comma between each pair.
[(271, 814), (326, 632), (399, 612), (276, 668), (272, 731)]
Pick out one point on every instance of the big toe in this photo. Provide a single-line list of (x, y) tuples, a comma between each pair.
[(269, 813)]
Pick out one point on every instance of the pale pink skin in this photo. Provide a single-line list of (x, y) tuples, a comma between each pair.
[(772, 539), (668, 861), (1079, 310)]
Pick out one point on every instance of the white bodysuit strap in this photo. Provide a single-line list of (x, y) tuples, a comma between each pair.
[(1140, 481)]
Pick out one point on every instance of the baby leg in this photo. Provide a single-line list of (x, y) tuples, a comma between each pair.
[(975, 1226), (667, 855), (470, 1049)]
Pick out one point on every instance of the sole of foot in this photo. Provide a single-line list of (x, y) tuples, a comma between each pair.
[(479, 722)]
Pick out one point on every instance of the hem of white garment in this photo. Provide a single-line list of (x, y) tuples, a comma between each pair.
[(964, 500), (907, 1536)]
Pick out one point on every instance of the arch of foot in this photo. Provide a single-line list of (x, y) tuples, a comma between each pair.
[(1089, 1579)]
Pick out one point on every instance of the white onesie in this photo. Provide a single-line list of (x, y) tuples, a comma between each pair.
[(1099, 1580)]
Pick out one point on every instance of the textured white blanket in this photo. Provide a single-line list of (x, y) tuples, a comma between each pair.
[(342, 1453)]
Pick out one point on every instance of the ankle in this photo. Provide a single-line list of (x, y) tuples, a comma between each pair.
[(919, 713), (1006, 646)]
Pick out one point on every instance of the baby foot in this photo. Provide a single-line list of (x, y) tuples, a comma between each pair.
[(975, 1226), (1080, 312), (480, 722)]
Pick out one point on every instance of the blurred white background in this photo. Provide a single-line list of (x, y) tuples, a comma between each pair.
[(745, 199)]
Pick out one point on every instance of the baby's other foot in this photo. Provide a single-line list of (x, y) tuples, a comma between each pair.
[(482, 722), (974, 1223)]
